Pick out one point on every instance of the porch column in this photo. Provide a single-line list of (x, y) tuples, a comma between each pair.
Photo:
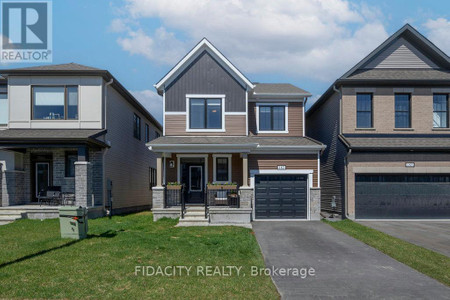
[(83, 179), (159, 167), (1, 184), (244, 170)]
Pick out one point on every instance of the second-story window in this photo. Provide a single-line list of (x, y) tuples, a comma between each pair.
[(157, 135), (402, 111), (55, 102), (440, 111), (364, 111), (205, 113), (137, 126), (272, 118)]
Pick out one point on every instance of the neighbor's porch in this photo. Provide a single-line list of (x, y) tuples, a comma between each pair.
[(51, 176), (216, 182)]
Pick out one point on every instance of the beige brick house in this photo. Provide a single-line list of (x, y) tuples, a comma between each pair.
[(386, 125)]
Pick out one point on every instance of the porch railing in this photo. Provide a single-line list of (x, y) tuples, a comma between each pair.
[(173, 196), (223, 195)]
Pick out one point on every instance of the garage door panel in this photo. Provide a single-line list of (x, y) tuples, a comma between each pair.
[(402, 196), (280, 196)]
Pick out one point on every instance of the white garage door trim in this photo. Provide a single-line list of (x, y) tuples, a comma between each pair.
[(282, 172)]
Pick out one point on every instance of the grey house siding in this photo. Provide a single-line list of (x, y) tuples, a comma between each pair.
[(128, 160), (205, 76), (323, 125), (401, 54), (397, 156)]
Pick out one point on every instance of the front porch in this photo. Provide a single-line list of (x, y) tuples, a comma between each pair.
[(203, 189), (73, 174)]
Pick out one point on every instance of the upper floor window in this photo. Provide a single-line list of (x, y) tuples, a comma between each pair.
[(402, 111), (364, 111), (147, 133), (440, 111), (157, 135), (272, 118), (55, 102), (205, 113), (137, 126)]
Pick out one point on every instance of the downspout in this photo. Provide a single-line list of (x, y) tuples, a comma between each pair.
[(105, 191), (346, 182)]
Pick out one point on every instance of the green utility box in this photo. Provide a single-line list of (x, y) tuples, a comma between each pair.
[(73, 222)]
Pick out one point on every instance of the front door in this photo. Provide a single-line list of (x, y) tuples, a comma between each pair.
[(195, 184), (42, 177)]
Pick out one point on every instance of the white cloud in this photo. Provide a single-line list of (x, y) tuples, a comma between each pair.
[(439, 33), (151, 101), (301, 38)]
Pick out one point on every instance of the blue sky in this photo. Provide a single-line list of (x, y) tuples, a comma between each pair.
[(306, 43)]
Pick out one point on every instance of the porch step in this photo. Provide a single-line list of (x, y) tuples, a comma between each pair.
[(195, 213), (11, 212), (6, 219), (195, 208)]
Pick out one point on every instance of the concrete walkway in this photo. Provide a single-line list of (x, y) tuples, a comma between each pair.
[(433, 235), (344, 267)]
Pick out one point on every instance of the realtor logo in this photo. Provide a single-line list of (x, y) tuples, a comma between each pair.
[(26, 31)]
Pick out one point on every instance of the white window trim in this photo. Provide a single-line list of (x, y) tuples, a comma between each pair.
[(286, 120), (209, 96), (215, 156)]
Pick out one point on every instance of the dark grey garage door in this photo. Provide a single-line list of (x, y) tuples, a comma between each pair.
[(402, 196), (280, 196)]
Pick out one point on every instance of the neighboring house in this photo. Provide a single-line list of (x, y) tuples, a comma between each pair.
[(386, 126), (219, 127), (77, 129)]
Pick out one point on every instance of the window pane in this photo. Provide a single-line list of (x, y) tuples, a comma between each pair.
[(137, 126), (440, 109), (402, 102), (264, 118), (197, 113), (3, 109), (222, 169), (364, 119), (48, 103), (214, 112), (278, 118), (72, 103), (440, 119), (364, 102), (402, 120), (402, 111)]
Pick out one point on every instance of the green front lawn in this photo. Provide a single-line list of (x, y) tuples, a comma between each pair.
[(423, 260), (36, 263)]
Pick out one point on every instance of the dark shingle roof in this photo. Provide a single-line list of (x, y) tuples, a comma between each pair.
[(59, 67), (278, 88), (400, 74), (51, 135), (398, 143), (262, 141)]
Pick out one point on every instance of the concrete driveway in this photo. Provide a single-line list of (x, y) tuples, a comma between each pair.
[(428, 234), (344, 267)]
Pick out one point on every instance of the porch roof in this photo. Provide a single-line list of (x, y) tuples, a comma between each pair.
[(241, 144), (9, 137), (398, 142)]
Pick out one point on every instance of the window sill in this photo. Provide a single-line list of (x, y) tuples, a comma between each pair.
[(403, 129), (365, 129), (440, 129), (272, 131), (205, 130)]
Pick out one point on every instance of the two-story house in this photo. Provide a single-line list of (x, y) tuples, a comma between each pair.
[(77, 130), (386, 125), (232, 150)]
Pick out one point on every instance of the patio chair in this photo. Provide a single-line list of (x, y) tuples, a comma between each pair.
[(52, 195)]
